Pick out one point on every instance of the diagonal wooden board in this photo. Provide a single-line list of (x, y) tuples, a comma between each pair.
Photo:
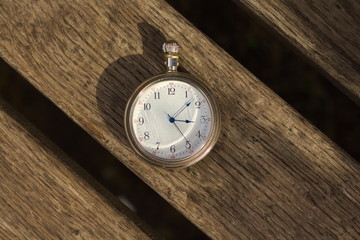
[(44, 195), (272, 175), (325, 31)]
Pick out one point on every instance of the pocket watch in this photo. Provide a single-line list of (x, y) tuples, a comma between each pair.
[(171, 119)]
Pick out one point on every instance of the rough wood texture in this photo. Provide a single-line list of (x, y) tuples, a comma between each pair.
[(44, 197), (272, 175), (325, 31)]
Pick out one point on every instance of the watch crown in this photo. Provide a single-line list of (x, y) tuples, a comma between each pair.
[(170, 47), (171, 54)]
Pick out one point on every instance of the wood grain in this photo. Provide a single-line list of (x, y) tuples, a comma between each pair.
[(325, 31), (272, 175), (44, 195)]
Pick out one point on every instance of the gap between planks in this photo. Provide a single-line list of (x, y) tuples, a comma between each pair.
[(325, 31)]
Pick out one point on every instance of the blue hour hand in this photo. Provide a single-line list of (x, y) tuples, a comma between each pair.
[(172, 120), (186, 121)]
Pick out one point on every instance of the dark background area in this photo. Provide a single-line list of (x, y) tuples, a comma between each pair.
[(259, 50)]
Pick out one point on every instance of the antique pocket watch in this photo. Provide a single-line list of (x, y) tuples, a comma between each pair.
[(171, 119)]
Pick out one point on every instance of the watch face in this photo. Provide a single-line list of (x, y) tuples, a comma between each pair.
[(172, 121)]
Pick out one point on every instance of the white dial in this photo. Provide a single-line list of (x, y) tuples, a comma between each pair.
[(171, 120)]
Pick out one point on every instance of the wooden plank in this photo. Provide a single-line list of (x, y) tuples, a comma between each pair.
[(325, 31), (272, 175), (44, 195)]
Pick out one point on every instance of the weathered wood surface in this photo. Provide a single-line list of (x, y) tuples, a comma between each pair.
[(44, 195), (325, 31), (272, 175)]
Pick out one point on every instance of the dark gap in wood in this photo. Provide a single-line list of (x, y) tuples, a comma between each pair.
[(95, 159), (279, 67)]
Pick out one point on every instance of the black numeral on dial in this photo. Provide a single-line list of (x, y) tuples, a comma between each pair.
[(202, 119), (171, 91), (147, 106), (157, 95), (198, 134), (172, 149), (197, 104), (146, 136)]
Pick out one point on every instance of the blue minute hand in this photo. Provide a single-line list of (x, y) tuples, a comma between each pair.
[(182, 108)]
